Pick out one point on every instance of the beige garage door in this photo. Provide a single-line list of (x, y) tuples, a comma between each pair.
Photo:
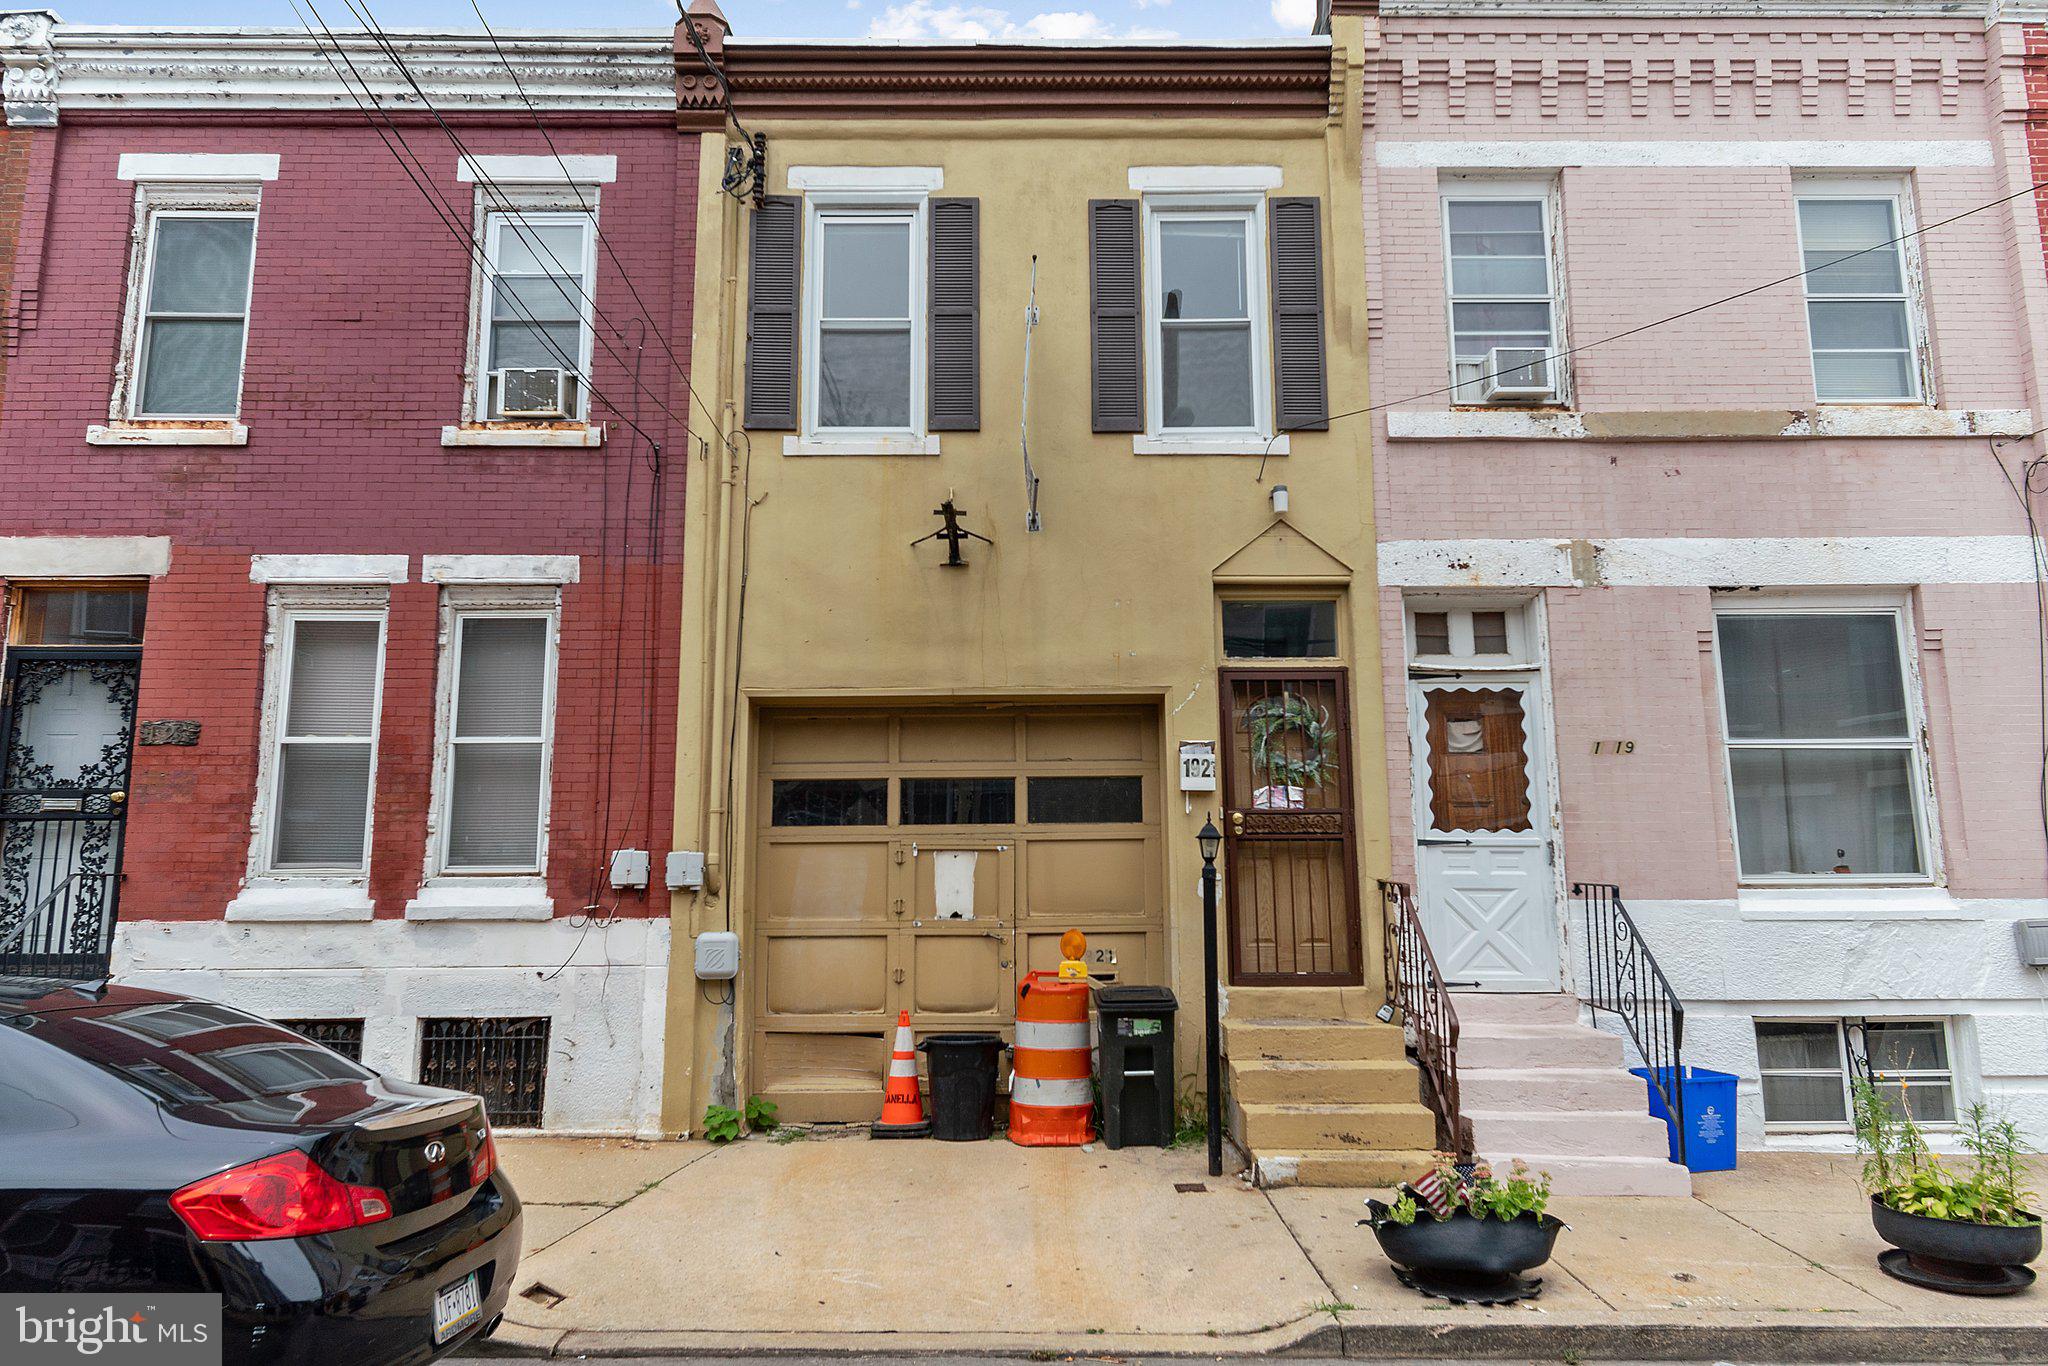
[(923, 861)]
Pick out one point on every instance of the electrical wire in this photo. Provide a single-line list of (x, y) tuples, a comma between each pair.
[(2032, 480)]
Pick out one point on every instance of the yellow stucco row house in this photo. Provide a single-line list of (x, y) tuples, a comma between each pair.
[(1093, 307)]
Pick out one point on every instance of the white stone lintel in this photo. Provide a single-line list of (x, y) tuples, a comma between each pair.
[(160, 167), (482, 898), (167, 434), (499, 568), (1707, 561), (328, 568), (1774, 424), (314, 900), (877, 179), (84, 557), (1197, 179), (538, 170)]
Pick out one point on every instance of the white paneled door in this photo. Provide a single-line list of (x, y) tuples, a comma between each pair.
[(1483, 852)]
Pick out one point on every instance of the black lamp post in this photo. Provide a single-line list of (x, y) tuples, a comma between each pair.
[(1211, 841)]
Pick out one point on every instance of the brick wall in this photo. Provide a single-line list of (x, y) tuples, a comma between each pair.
[(356, 348), (14, 164)]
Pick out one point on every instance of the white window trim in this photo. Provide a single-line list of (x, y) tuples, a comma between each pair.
[(1549, 193), (492, 207), (287, 606), (1158, 438), (915, 439), (1927, 827), (486, 893), (125, 424), (1899, 192), (1524, 645), (1957, 1101)]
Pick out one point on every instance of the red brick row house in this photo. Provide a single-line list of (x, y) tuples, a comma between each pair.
[(349, 487)]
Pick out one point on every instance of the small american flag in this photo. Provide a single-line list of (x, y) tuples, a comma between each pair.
[(1430, 1189)]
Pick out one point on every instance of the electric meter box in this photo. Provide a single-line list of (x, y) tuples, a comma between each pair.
[(718, 956)]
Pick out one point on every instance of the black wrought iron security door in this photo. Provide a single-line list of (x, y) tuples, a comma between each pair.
[(67, 726)]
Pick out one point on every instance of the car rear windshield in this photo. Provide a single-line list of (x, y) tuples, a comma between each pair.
[(199, 1053)]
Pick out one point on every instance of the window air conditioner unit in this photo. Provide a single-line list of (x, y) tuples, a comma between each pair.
[(1518, 374), (532, 393)]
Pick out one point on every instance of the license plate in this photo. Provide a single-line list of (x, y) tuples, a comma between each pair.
[(456, 1307)]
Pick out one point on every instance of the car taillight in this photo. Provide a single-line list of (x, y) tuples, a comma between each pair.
[(286, 1196), (484, 1160)]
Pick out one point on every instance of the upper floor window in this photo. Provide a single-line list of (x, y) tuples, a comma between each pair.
[(865, 312), (1859, 297), (1206, 345), (533, 318), (1503, 293), (1827, 776), (191, 316)]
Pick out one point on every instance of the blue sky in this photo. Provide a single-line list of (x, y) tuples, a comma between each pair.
[(772, 18)]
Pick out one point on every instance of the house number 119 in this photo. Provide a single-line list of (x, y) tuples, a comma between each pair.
[(1614, 747)]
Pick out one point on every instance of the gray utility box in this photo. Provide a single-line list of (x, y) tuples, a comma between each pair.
[(1135, 1034), (2033, 937)]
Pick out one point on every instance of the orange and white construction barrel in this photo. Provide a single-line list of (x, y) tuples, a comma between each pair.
[(1052, 1100)]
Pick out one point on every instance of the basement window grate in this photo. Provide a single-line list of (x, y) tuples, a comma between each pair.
[(504, 1060), (343, 1036)]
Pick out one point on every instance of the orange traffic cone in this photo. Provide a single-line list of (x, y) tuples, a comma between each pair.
[(902, 1107)]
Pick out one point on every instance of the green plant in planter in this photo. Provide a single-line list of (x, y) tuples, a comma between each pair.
[(1483, 1195), (1902, 1173)]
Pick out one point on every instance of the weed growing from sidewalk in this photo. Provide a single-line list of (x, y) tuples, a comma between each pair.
[(1190, 1120), (1332, 1308)]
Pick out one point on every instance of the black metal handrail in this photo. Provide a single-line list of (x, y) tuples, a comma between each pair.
[(1416, 989), (1623, 979)]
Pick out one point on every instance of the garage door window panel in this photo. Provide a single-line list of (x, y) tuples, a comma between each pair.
[(1113, 800), (804, 802), (959, 801)]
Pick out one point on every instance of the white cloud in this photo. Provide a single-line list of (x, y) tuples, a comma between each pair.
[(1150, 4), (1297, 16), (980, 23)]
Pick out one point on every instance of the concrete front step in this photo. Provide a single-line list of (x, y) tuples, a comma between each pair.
[(1265, 1128), (1588, 1133), (1577, 1174), (1490, 1045), (1517, 1008), (1312, 1040), (1347, 1167), (1342, 1082), (1550, 1089), (1290, 1003)]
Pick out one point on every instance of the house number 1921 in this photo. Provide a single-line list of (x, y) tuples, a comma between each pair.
[(1614, 747)]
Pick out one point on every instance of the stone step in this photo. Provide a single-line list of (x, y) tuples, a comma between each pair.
[(1293, 1003), (1583, 1133), (1313, 1040), (1346, 1081), (1575, 1174), (1264, 1128), (1346, 1167), (1488, 1045), (1550, 1088), (1516, 1007)]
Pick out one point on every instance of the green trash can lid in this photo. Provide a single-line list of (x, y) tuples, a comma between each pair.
[(1136, 1000)]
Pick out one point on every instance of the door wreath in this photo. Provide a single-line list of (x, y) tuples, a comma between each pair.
[(1292, 742)]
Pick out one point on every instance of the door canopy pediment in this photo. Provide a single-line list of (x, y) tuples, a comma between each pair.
[(1281, 552)]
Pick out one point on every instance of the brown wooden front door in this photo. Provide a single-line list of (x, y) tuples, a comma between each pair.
[(1289, 848)]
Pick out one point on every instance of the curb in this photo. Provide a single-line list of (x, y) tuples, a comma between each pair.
[(1354, 1338)]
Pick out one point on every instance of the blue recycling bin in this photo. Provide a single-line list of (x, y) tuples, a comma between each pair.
[(1708, 1098)]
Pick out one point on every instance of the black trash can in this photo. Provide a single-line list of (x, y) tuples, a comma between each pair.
[(962, 1071), (1135, 1034)]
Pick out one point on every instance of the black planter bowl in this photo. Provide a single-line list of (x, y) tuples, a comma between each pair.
[(1465, 1259), (1956, 1257)]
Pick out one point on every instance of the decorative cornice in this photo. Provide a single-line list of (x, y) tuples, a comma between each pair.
[(778, 80), (28, 85), (1692, 9), (597, 70)]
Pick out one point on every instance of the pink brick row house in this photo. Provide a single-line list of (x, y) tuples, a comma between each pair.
[(344, 468), (1739, 612)]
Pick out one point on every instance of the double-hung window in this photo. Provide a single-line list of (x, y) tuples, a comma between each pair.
[(1828, 780), (1206, 303), (1807, 1067), (499, 727), (535, 315), (1859, 303), (866, 310), (322, 768), (192, 320), (1503, 292)]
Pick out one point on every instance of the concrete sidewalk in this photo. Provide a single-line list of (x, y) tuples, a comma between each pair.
[(839, 1244)]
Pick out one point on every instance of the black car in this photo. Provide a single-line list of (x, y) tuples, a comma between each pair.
[(156, 1143)]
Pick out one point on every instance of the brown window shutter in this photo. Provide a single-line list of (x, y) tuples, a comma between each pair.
[(774, 313), (955, 357), (1301, 382), (1115, 325)]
